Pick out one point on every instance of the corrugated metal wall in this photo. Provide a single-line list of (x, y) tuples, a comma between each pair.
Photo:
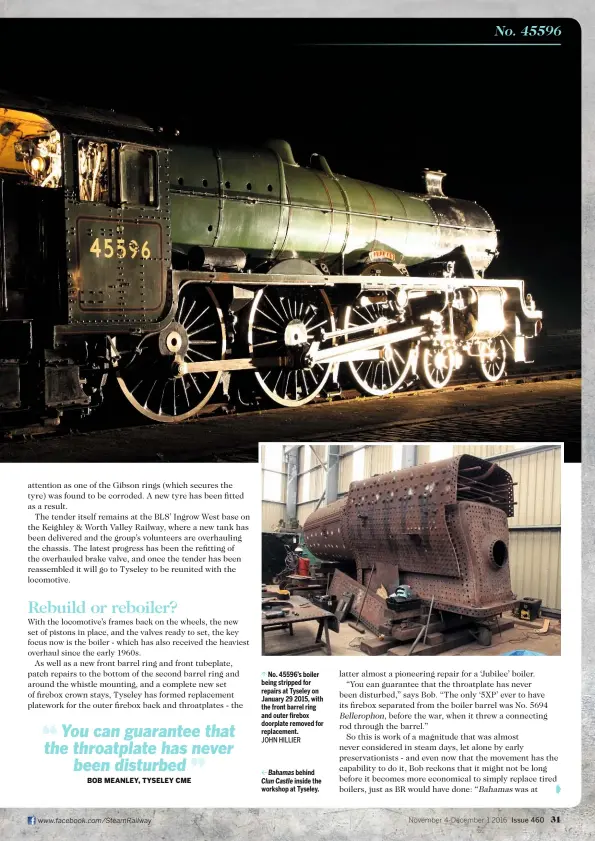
[(272, 512), (373, 459), (357, 461), (304, 464), (312, 478), (535, 550), (312, 473), (378, 460), (345, 468), (318, 475), (482, 450), (305, 510), (274, 486), (535, 566)]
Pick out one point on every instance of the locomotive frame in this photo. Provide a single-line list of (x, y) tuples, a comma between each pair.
[(109, 263)]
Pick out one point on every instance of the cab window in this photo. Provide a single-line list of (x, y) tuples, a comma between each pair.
[(93, 171), (137, 176)]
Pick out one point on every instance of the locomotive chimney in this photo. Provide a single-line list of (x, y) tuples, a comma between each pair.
[(433, 181)]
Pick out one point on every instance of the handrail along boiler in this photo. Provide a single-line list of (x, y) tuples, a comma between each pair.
[(184, 268)]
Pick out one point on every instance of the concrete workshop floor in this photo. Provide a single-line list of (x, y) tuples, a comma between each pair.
[(344, 643), (536, 411)]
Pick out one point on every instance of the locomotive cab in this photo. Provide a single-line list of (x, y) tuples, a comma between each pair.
[(30, 173), (31, 230), (30, 146), (84, 248)]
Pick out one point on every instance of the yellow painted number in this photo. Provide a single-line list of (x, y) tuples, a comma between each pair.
[(121, 250)]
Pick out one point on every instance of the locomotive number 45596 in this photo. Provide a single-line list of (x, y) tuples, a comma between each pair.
[(108, 247)]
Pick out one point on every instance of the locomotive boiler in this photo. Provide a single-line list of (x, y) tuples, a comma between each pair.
[(439, 528), (181, 270)]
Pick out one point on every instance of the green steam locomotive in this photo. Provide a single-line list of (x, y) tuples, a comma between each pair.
[(181, 270)]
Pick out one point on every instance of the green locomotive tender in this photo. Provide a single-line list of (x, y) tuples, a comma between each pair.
[(183, 269)]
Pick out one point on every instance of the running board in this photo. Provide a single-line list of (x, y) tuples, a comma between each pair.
[(408, 282)]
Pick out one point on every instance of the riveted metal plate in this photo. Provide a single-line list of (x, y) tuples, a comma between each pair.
[(442, 527), (399, 517), (325, 532), (374, 609)]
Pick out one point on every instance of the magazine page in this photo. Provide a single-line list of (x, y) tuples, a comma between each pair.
[(291, 405), (137, 659)]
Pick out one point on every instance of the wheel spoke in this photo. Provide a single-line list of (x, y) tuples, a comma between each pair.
[(360, 312), (492, 359), (304, 379), (324, 320), (161, 400), (188, 314), (185, 388), (384, 375), (437, 375), (201, 330), (275, 310), (278, 323), (148, 380), (278, 378), (198, 353), (200, 315), (140, 382), (306, 310), (282, 305), (149, 394), (174, 384)]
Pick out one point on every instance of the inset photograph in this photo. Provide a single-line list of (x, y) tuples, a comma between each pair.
[(411, 549)]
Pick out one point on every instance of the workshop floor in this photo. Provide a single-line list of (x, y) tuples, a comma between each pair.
[(347, 641)]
